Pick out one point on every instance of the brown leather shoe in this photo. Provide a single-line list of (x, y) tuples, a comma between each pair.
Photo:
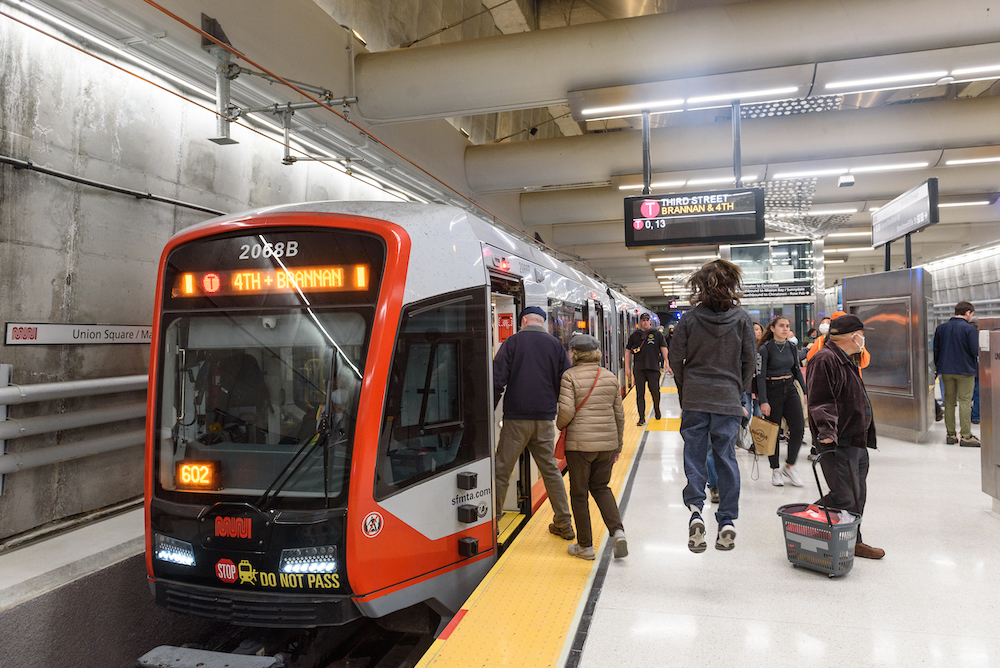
[(867, 551)]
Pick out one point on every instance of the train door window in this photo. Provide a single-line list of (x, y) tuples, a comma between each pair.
[(564, 319), (437, 404)]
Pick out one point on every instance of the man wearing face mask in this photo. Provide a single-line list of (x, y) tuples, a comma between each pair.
[(840, 414)]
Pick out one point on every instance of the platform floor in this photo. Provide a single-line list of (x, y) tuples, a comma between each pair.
[(934, 600)]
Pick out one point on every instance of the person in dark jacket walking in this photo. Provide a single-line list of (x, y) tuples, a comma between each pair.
[(643, 351), (713, 357), (956, 359), (840, 414), (530, 365)]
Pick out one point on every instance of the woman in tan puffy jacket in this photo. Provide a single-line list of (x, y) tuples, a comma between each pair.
[(593, 442)]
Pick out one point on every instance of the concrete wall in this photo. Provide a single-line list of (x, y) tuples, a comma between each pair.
[(76, 254)]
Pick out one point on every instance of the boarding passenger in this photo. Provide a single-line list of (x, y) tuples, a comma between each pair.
[(530, 364), (841, 415), (713, 361), (590, 409), (777, 372), (956, 358), (644, 350)]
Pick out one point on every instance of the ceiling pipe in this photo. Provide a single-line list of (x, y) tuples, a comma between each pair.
[(596, 157), (538, 68)]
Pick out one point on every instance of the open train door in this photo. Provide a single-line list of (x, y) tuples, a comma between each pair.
[(507, 300)]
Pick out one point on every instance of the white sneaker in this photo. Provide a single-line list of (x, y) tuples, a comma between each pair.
[(776, 478), (792, 475)]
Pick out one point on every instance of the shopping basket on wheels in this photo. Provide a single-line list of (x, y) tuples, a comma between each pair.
[(824, 546)]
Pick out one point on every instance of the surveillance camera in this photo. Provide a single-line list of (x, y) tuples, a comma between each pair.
[(269, 322), (846, 181)]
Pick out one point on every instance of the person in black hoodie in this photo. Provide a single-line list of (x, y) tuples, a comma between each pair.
[(530, 365), (713, 357)]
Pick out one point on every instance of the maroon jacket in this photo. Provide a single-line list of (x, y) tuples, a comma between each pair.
[(839, 408)]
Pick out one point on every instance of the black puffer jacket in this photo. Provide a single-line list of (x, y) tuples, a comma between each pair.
[(839, 408)]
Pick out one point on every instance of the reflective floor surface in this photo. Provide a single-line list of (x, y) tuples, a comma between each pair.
[(934, 600)]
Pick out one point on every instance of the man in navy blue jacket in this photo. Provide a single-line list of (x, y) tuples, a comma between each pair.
[(956, 358), (530, 364)]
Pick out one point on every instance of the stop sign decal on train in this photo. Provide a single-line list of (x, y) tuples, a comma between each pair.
[(226, 570)]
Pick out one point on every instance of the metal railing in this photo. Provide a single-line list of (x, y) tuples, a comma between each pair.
[(11, 395)]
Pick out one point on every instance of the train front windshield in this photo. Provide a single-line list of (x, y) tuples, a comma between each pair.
[(261, 367)]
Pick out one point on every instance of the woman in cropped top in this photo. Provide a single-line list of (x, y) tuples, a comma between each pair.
[(777, 370)]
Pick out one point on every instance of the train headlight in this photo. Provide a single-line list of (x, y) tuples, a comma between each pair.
[(309, 560), (172, 550)]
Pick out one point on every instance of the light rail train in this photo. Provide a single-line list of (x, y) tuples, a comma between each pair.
[(321, 419)]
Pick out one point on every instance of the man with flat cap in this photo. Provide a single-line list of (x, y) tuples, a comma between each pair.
[(530, 365), (840, 415)]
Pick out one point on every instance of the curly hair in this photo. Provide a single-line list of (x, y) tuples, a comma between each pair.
[(717, 285)]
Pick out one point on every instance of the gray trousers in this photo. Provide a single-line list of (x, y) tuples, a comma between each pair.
[(539, 437)]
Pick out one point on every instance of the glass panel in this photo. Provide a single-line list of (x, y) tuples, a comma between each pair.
[(889, 339), (244, 393), (437, 408)]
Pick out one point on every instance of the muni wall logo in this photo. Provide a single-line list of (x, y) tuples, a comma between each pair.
[(233, 527)]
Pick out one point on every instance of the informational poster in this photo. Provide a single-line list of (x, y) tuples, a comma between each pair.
[(505, 325), (41, 334)]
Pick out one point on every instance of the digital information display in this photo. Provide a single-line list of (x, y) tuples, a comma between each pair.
[(695, 218), (330, 278), (197, 475), (912, 211)]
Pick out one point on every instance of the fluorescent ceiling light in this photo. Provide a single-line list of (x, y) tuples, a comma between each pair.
[(860, 249), (951, 204), (972, 161), (680, 258), (833, 261), (888, 168), (823, 212), (652, 113), (642, 106), (812, 172), (661, 184), (787, 90), (916, 76), (975, 70), (712, 180), (838, 235)]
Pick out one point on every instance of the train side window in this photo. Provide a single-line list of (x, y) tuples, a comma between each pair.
[(437, 401)]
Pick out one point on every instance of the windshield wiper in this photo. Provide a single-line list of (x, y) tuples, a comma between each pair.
[(321, 437)]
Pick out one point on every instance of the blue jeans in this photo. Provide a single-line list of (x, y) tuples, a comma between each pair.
[(713, 477), (975, 401), (704, 433)]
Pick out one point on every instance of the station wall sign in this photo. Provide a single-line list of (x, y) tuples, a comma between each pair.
[(768, 291), (719, 216), (913, 210), (41, 334)]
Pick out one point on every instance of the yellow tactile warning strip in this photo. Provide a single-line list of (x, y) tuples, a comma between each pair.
[(666, 424), (525, 612), (508, 523)]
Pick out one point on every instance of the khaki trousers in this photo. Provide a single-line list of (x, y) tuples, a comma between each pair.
[(539, 437), (958, 389)]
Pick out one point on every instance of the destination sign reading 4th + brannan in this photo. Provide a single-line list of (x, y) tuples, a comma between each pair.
[(725, 215)]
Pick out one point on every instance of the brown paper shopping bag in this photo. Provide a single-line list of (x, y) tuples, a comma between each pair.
[(765, 436)]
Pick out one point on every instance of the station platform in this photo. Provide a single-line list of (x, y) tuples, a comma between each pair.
[(528, 608), (933, 599)]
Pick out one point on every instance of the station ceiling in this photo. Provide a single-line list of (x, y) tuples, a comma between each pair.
[(891, 92)]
